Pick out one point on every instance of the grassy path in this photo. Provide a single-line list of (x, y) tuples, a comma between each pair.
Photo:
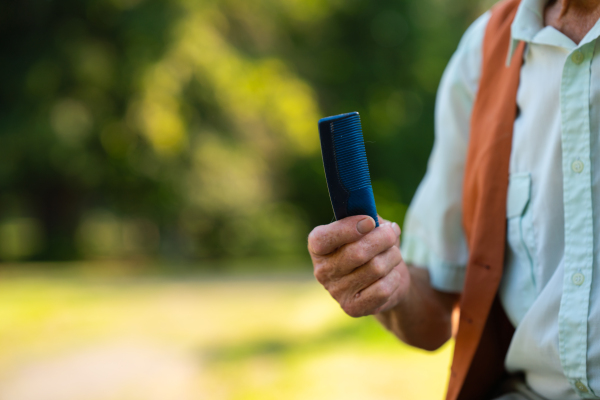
[(76, 337)]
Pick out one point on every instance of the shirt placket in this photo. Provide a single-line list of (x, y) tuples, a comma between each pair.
[(577, 196)]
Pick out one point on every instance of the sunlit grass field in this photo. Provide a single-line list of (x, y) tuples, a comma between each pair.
[(87, 336)]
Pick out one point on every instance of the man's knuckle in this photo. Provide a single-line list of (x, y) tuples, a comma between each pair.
[(335, 291), (315, 240), (378, 267), (390, 237), (346, 307), (385, 291), (355, 260), (351, 309), (320, 274), (359, 256), (396, 255)]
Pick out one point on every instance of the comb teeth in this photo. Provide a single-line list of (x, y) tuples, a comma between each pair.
[(346, 168), (350, 153)]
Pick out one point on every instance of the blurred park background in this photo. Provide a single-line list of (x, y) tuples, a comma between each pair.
[(160, 170)]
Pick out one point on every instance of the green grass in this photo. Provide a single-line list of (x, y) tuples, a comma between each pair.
[(243, 339)]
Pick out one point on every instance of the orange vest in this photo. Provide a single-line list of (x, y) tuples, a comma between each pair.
[(484, 332)]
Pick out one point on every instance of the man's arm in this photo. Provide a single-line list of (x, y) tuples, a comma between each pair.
[(362, 268), (424, 317)]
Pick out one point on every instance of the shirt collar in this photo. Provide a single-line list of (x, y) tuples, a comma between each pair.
[(529, 21)]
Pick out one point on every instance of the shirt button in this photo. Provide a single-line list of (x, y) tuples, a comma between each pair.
[(578, 278), (577, 166), (581, 387), (577, 57)]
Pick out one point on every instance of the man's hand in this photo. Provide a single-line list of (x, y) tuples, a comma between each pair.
[(360, 265)]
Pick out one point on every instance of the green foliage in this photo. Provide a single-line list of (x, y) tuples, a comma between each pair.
[(187, 129)]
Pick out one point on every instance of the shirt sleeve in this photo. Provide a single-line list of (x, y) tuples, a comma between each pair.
[(433, 235)]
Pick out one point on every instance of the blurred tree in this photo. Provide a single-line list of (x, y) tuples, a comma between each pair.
[(188, 129)]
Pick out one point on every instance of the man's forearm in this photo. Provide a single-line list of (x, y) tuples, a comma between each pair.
[(423, 318)]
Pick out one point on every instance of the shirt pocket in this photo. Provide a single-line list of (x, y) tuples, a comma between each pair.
[(518, 287)]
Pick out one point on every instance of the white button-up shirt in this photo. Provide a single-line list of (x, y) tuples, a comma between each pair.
[(550, 289)]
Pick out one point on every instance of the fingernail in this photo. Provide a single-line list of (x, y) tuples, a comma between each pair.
[(396, 228), (365, 225)]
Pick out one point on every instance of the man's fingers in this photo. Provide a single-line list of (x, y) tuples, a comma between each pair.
[(375, 269), (403, 284), (396, 227), (358, 253), (376, 296), (359, 265), (325, 239)]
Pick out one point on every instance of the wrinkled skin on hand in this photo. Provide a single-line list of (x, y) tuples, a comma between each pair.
[(360, 265)]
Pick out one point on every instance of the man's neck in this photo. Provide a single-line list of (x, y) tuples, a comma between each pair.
[(574, 18)]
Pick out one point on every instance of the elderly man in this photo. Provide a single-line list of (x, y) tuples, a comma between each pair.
[(505, 225)]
